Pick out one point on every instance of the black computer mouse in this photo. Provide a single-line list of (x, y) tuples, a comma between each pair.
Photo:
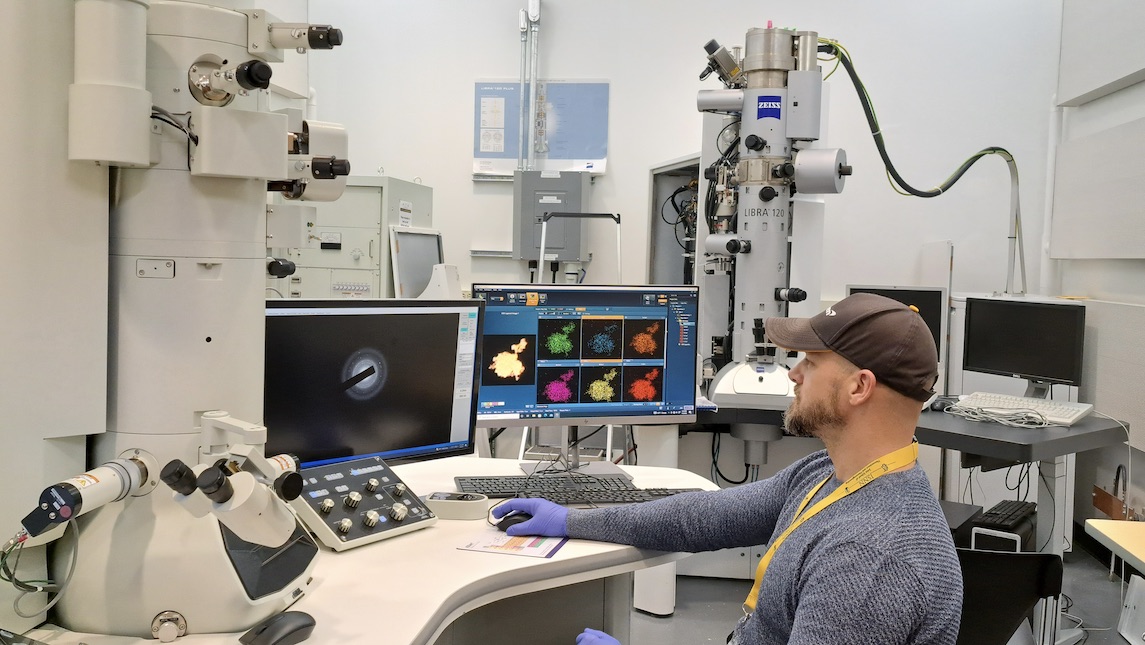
[(513, 518), (287, 628)]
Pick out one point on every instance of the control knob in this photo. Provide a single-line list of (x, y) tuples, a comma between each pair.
[(373, 484), (345, 525), (399, 490), (327, 505), (353, 499), (399, 511), (371, 519)]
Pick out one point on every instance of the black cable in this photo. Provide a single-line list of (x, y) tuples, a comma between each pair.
[(716, 464), (868, 112)]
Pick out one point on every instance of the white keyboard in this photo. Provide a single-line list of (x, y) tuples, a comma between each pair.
[(1061, 413)]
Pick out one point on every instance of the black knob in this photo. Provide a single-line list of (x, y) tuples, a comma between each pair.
[(710, 173), (754, 142), (783, 170), (253, 74), (179, 477), (279, 267), (329, 167), (791, 295), (767, 193), (844, 170), (711, 46), (215, 485), (738, 246), (288, 486), (323, 37)]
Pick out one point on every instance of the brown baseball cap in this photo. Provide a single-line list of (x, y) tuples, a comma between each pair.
[(873, 332)]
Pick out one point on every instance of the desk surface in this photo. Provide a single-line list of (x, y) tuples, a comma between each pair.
[(408, 588), (1017, 444), (1124, 538)]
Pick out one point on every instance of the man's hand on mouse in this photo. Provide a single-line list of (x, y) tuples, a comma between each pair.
[(549, 519), (595, 637)]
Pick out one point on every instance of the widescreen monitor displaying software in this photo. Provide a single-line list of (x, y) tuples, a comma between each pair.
[(352, 378), (567, 354)]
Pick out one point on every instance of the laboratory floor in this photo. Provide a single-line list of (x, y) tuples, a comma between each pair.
[(707, 608)]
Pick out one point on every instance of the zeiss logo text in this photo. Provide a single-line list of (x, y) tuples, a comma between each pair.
[(768, 107)]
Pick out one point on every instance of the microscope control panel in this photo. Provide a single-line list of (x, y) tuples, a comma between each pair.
[(351, 503)]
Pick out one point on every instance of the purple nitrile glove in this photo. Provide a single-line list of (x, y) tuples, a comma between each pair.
[(549, 519), (595, 637)]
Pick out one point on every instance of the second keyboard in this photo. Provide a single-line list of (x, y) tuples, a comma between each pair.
[(1061, 413)]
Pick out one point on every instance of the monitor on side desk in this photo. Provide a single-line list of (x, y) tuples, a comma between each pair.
[(350, 378), (579, 355), (1039, 341)]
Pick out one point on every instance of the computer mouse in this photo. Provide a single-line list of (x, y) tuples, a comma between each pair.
[(939, 405), (513, 518), (287, 628)]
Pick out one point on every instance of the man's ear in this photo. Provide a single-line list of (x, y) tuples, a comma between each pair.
[(862, 387)]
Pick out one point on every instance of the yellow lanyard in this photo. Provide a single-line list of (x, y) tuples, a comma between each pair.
[(869, 473)]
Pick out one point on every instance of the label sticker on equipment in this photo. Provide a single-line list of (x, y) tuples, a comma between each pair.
[(768, 107)]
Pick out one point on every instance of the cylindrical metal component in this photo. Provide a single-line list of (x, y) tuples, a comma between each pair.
[(806, 50), (400, 489), (719, 101), (371, 519), (769, 49), (326, 506), (372, 484), (353, 498), (345, 525), (717, 243), (820, 170)]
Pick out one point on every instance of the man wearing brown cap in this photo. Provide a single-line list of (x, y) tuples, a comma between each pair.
[(858, 548)]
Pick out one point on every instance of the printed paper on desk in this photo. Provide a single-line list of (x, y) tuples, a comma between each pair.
[(530, 545)]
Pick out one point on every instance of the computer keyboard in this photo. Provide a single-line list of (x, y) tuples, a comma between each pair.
[(1006, 515), (578, 497), (519, 485), (566, 489), (1062, 413)]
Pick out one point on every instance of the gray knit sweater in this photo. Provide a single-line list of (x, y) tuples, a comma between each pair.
[(877, 567)]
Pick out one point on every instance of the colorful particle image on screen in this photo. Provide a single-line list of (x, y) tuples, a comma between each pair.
[(602, 338), (559, 338), (645, 338), (557, 384), (513, 360), (601, 384), (643, 384)]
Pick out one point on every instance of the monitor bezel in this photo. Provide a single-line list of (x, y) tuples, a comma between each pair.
[(470, 444), (1079, 339), (592, 421)]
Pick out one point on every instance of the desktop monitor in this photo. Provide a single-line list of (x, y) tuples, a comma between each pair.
[(572, 355), (413, 254), (931, 302), (1038, 341), (390, 378)]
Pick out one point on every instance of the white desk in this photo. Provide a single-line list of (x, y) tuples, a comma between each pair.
[(1124, 538), (414, 588)]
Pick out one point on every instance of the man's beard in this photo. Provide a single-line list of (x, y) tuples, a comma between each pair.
[(811, 419)]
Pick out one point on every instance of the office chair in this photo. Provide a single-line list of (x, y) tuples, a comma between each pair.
[(999, 591)]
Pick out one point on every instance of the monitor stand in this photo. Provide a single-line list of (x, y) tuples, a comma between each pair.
[(569, 460), (1038, 389)]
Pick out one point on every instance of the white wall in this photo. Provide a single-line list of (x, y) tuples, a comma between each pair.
[(946, 79), (1111, 96)]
